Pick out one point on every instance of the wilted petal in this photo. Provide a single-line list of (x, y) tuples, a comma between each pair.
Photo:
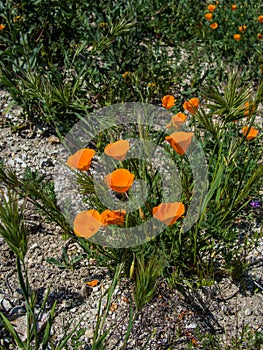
[(113, 217)]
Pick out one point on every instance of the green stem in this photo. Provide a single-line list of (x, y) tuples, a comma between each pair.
[(130, 326), (30, 304), (23, 284), (180, 241), (195, 244)]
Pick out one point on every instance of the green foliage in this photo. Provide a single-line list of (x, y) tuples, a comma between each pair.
[(76, 341), (12, 224), (65, 262), (14, 232), (100, 334), (248, 339), (33, 188), (147, 272)]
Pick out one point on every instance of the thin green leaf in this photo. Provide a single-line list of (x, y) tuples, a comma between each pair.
[(9, 327), (46, 337)]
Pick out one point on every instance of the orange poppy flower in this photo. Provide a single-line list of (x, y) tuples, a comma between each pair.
[(249, 108), (126, 74), (214, 25), (260, 19), (87, 223), (242, 28), (211, 8), (81, 160), (113, 217), (252, 133), (233, 7), (2, 27), (118, 149), (191, 105), (259, 36), (120, 180), (246, 112), (168, 213), (208, 16), (180, 141), (168, 101), (237, 37), (177, 120)]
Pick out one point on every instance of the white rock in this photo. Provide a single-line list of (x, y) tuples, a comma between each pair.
[(89, 333), (5, 304), (247, 312)]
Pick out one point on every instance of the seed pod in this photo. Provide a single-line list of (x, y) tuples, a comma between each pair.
[(132, 267)]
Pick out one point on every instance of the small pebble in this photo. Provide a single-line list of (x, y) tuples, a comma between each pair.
[(17, 310), (247, 312), (5, 304), (89, 334)]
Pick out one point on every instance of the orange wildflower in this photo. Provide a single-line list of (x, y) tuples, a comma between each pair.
[(151, 85), (168, 101), (118, 149), (2, 27), (233, 7), (237, 37), (81, 160), (260, 19), (17, 19), (177, 120), (259, 36), (211, 8), (87, 223), (92, 283), (252, 133), (113, 217), (126, 75), (180, 141), (242, 28), (191, 105), (208, 16), (249, 108), (120, 180), (168, 213), (246, 112), (214, 25)]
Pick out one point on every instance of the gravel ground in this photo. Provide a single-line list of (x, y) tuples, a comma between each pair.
[(172, 320)]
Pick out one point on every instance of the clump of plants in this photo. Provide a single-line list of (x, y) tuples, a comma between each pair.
[(224, 124), (158, 199)]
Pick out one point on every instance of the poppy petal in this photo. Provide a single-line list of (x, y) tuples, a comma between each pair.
[(87, 223), (117, 150), (168, 101), (81, 160), (180, 141), (168, 213)]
